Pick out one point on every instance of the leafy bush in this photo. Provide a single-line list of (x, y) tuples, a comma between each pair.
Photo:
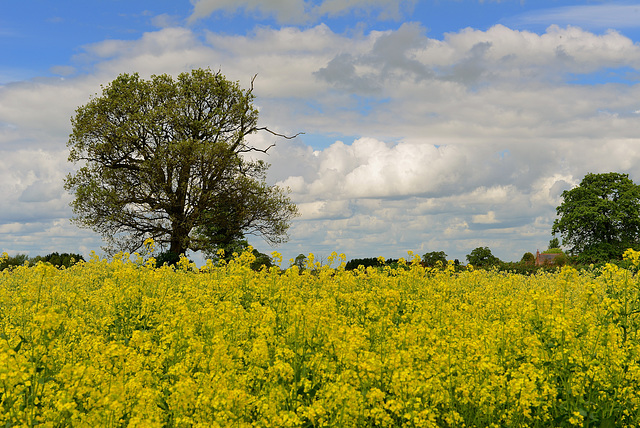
[(366, 262), (12, 261), (59, 260), (167, 257), (528, 258), (262, 261), (435, 258), (553, 251), (56, 259)]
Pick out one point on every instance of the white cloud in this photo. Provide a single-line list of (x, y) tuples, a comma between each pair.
[(289, 11), (474, 57), (165, 20), (32, 184), (488, 218), (597, 16), (12, 228), (38, 112), (325, 210), (370, 168), (301, 11)]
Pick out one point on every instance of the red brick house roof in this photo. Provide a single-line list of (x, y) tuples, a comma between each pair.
[(545, 259)]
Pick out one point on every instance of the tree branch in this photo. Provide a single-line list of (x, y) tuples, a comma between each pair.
[(255, 149), (264, 128)]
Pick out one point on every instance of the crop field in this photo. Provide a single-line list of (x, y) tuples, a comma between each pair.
[(121, 343)]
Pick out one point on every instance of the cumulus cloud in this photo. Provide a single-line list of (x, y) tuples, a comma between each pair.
[(325, 210), (390, 55), (488, 218), (32, 184), (370, 168), (472, 56), (37, 113)]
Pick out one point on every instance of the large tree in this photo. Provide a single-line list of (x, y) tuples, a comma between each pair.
[(482, 257), (168, 159), (431, 259), (600, 218)]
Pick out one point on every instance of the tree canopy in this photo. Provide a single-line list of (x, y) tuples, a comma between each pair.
[(432, 259), (168, 159), (600, 218), (482, 257), (528, 258)]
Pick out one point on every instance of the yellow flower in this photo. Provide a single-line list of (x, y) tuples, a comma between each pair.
[(576, 419), (115, 343)]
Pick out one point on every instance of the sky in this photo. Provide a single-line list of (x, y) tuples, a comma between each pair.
[(437, 125)]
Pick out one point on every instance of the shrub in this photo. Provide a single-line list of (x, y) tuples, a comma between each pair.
[(528, 258), (553, 251), (435, 258), (168, 258), (12, 261), (366, 262)]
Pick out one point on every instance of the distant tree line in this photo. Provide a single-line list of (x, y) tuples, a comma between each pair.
[(55, 259), (368, 262), (479, 258), (598, 220)]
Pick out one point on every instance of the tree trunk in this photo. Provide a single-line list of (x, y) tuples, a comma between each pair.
[(178, 242)]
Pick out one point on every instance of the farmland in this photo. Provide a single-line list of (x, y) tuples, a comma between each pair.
[(122, 343)]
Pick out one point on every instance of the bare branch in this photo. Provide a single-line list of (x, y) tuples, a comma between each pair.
[(264, 128), (255, 149), (288, 137)]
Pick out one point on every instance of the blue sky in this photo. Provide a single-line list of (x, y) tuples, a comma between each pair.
[(38, 35), (434, 125)]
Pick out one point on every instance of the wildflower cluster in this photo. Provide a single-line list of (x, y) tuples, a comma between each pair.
[(123, 343)]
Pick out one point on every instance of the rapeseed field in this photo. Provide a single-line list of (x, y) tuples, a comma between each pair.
[(122, 343)]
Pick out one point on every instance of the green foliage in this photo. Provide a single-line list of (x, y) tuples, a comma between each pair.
[(554, 243), (300, 262), (262, 261), (56, 259), (528, 258), (521, 267), (248, 206), (435, 258), (364, 262), (553, 251), (12, 261), (561, 259), (59, 260), (600, 218), (167, 257), (165, 159), (232, 249), (482, 257), (225, 250)]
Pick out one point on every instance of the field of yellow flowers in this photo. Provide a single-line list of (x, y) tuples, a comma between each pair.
[(122, 343)]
